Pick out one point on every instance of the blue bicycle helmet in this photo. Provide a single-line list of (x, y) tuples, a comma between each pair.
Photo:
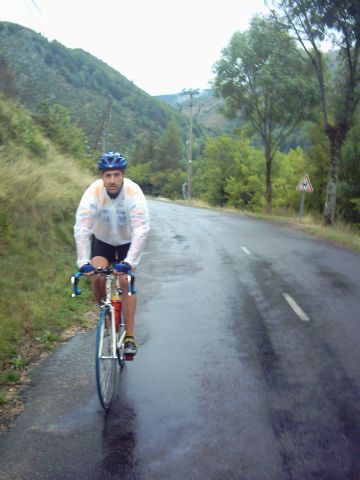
[(112, 161)]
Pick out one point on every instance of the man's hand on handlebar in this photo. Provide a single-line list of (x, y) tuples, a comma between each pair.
[(122, 268), (87, 269), (118, 269)]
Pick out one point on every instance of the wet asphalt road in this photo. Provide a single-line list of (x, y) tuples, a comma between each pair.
[(248, 366)]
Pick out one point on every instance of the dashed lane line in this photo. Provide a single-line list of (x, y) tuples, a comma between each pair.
[(298, 310)]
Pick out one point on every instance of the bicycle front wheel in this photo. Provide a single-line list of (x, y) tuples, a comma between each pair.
[(105, 359)]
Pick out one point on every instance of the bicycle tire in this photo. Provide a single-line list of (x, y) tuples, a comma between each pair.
[(105, 361)]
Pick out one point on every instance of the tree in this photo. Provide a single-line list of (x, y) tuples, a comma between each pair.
[(149, 149), (57, 125), (213, 168), (314, 22), (263, 76), (171, 151), (289, 169), (230, 172), (243, 187), (349, 176), (7, 79)]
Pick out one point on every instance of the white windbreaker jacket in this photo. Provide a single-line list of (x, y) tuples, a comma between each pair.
[(124, 219)]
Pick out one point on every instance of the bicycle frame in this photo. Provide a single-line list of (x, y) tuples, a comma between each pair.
[(109, 340), (107, 303)]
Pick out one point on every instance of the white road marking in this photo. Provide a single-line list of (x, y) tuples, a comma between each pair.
[(246, 250), (299, 312)]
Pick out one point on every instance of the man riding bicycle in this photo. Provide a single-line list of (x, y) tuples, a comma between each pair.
[(113, 213)]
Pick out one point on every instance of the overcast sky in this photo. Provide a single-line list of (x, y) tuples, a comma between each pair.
[(163, 46)]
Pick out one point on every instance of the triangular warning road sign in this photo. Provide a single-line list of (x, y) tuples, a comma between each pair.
[(305, 185)]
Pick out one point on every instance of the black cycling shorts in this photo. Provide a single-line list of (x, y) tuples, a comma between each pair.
[(113, 253)]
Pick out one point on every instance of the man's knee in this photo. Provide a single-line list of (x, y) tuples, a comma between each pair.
[(99, 262)]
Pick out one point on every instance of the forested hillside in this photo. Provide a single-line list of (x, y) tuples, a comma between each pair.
[(41, 74)]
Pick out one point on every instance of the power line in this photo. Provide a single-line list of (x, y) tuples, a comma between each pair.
[(36, 6), (30, 8)]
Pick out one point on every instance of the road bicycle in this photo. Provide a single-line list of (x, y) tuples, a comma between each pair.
[(109, 350)]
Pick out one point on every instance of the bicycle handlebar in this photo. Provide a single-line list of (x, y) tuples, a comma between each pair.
[(101, 271)]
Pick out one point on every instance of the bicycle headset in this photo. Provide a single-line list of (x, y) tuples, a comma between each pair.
[(112, 161)]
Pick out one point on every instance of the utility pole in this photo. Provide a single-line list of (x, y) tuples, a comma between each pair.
[(104, 128), (107, 126), (190, 93)]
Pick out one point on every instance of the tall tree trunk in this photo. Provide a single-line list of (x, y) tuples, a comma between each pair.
[(268, 164), (336, 137)]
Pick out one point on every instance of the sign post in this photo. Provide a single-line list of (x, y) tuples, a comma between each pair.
[(303, 186)]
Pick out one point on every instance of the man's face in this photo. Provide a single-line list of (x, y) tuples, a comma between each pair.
[(113, 180)]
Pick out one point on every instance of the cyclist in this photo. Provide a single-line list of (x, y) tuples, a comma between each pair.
[(112, 222)]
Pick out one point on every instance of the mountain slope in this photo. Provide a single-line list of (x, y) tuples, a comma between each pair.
[(34, 70)]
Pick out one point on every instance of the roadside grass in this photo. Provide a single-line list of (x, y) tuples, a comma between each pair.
[(341, 234), (7, 379), (39, 192), (37, 206), (9, 376)]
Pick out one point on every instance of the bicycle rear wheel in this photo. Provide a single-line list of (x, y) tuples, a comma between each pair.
[(105, 359)]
